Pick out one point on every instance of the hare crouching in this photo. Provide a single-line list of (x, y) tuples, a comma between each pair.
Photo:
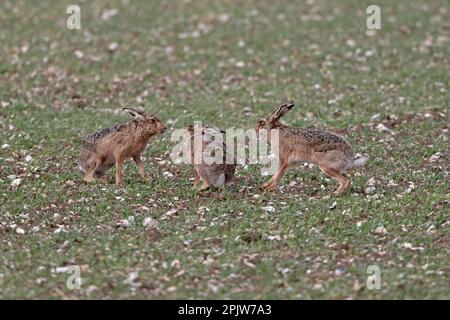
[(332, 153), (112, 146), (215, 174)]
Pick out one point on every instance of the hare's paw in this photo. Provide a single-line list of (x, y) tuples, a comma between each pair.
[(195, 183), (266, 185), (341, 190), (204, 186), (269, 186), (338, 192), (88, 179)]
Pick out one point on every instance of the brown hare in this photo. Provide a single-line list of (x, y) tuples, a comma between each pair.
[(214, 175), (112, 146), (332, 153)]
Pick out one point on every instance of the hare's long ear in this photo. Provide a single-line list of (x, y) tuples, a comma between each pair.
[(277, 110), (134, 113), (282, 110)]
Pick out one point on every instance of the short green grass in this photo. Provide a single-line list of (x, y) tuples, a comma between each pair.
[(225, 63)]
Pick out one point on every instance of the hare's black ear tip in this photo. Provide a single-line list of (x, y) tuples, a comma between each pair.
[(290, 105)]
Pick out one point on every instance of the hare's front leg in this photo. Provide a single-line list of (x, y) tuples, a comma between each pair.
[(89, 175), (137, 159), (119, 163), (273, 182), (205, 185), (196, 177)]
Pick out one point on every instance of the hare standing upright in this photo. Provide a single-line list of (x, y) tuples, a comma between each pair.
[(112, 146), (215, 174), (332, 153)]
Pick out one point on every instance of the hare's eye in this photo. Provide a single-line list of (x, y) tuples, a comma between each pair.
[(262, 122), (152, 120)]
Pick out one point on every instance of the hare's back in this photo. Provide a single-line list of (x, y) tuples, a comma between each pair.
[(318, 140), (103, 135)]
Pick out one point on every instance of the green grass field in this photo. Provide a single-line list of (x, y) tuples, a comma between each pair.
[(225, 63)]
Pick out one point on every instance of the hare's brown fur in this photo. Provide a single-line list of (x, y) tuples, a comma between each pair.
[(332, 153), (216, 174), (112, 146)]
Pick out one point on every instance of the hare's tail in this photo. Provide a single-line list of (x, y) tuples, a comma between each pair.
[(359, 161)]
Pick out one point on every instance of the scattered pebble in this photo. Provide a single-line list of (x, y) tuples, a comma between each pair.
[(16, 182), (125, 223), (132, 280), (268, 209), (375, 117), (370, 190), (70, 183), (409, 246), (170, 213), (371, 182), (340, 272), (113, 46), (107, 14), (150, 223), (392, 183), (380, 230), (436, 157), (79, 54), (381, 127), (167, 174)]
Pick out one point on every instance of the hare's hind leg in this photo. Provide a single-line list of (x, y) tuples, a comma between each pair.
[(343, 181)]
